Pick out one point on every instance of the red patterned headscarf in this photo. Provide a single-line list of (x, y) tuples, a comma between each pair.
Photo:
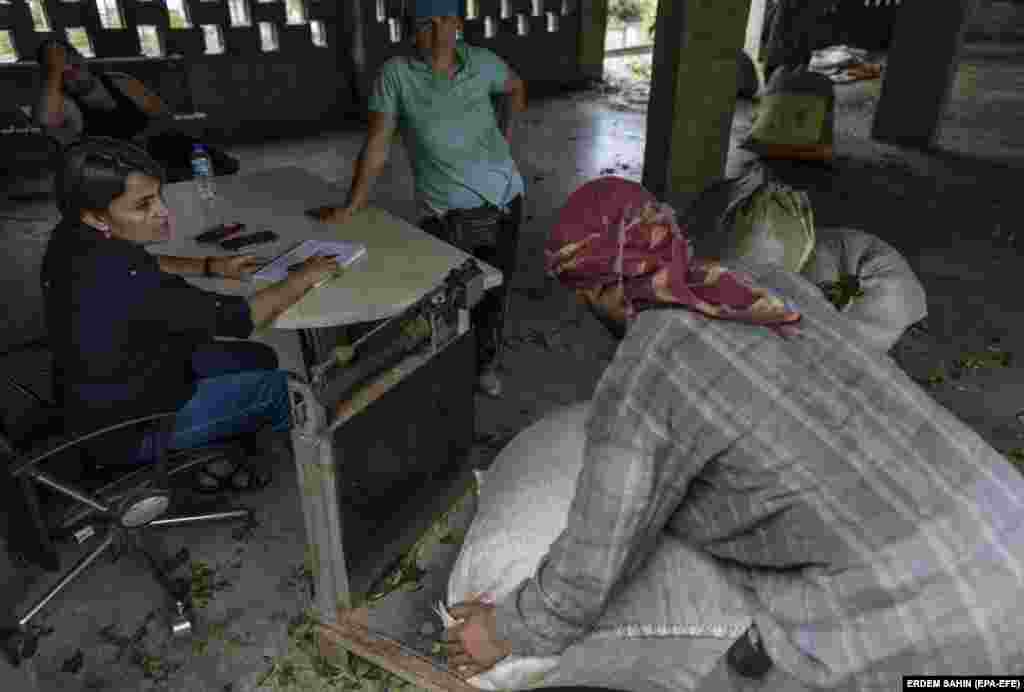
[(613, 231)]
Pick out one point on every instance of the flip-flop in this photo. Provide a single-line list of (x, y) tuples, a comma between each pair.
[(225, 475)]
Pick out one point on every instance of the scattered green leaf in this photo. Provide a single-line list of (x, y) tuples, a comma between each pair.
[(218, 632), (993, 357), (408, 575), (302, 667), (204, 584), (936, 377), (454, 537), (311, 561), (1016, 457), (842, 292), (154, 667)]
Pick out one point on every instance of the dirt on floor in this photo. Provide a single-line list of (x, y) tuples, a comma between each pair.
[(949, 211)]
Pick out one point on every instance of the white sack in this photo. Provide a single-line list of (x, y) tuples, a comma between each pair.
[(523, 507), (681, 598), (893, 299)]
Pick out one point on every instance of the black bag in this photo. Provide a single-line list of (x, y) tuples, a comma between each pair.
[(470, 229), (173, 149)]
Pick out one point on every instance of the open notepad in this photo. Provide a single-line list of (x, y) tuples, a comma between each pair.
[(346, 254)]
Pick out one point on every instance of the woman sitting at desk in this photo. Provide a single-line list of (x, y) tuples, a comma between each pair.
[(131, 337), (75, 102)]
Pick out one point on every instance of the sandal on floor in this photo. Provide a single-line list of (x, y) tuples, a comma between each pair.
[(225, 475)]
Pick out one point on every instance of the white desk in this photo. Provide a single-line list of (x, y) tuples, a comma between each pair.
[(403, 263), (416, 415)]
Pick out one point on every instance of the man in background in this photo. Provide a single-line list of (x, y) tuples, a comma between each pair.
[(468, 187)]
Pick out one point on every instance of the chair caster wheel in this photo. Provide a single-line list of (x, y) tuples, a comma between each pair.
[(181, 624), (18, 645), (181, 627)]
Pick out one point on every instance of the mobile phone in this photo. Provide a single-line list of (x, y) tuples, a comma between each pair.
[(251, 239), (219, 233)]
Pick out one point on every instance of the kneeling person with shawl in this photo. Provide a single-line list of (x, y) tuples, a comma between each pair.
[(874, 534)]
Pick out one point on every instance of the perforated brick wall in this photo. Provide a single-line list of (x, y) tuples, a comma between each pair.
[(246, 64), (538, 38), (254, 65)]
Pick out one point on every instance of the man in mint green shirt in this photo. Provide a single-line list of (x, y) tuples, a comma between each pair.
[(439, 97)]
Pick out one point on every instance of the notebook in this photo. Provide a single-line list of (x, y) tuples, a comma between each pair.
[(346, 253)]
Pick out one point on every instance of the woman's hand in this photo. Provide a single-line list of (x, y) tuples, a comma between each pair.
[(267, 303), (234, 267), (472, 643), (315, 271)]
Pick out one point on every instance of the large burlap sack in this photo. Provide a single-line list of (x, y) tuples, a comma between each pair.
[(666, 629), (675, 616), (523, 507), (795, 118), (882, 295)]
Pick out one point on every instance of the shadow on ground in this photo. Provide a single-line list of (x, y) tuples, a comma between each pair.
[(949, 211)]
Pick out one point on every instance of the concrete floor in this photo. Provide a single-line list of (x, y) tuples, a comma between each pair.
[(949, 211)]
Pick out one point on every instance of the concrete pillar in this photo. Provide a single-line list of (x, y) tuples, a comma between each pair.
[(750, 84), (919, 73), (693, 95), (354, 56), (755, 29), (593, 26)]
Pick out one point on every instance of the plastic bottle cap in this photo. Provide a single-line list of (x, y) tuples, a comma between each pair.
[(198, 147)]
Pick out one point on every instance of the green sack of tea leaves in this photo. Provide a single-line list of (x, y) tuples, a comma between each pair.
[(769, 223)]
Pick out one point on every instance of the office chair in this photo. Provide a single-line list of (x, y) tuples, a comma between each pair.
[(117, 514)]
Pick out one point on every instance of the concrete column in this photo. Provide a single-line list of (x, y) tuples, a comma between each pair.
[(755, 29), (353, 57), (922, 64), (693, 95), (593, 25)]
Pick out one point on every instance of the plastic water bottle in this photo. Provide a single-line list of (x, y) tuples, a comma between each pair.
[(202, 173)]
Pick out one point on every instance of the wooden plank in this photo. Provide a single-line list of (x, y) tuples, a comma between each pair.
[(352, 636)]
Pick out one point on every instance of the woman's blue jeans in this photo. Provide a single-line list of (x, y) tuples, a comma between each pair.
[(231, 405), (239, 390)]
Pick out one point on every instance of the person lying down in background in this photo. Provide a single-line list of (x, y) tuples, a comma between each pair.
[(760, 498), (76, 100)]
